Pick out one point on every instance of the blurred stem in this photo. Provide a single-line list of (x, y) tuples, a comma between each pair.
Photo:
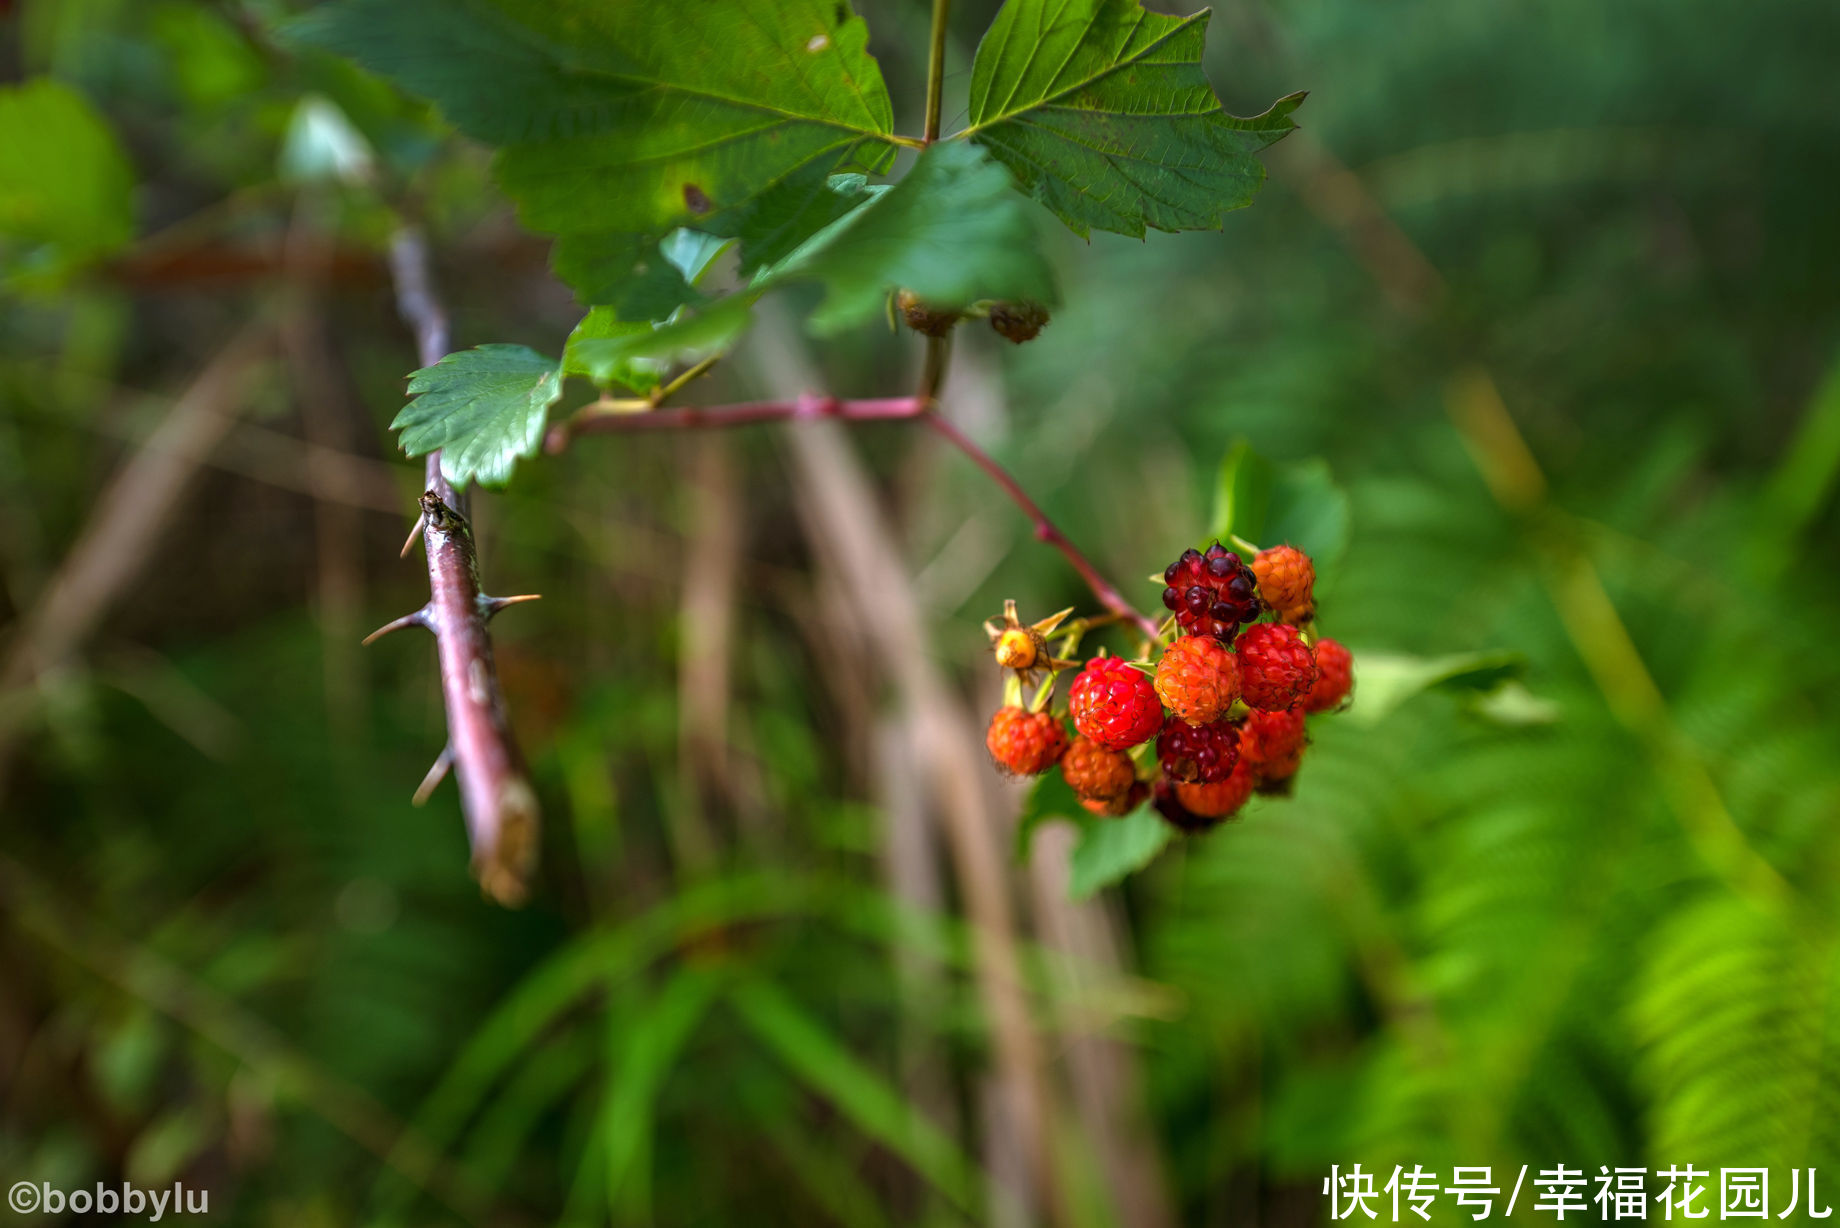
[(936, 70)]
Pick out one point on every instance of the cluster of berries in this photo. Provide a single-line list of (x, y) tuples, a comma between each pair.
[(1236, 689)]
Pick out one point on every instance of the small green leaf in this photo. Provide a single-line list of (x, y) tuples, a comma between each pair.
[(1102, 111), (635, 348), (1242, 495), (65, 185), (1383, 681), (608, 365), (484, 408), (1308, 511), (1109, 849)]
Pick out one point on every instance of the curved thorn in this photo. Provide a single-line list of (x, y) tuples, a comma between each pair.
[(417, 619), (492, 605), (420, 522), (436, 775)]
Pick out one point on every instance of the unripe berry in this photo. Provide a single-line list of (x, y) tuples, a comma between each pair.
[(1276, 668), (1198, 679), (1287, 579), (1334, 678), (1095, 773), (1114, 704), (1024, 743)]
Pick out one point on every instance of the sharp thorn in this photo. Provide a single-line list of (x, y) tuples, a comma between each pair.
[(436, 775), (414, 533), (417, 619), (492, 605)]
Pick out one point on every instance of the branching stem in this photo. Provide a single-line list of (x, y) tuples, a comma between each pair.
[(811, 407)]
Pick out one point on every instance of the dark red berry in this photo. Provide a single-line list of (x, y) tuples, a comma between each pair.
[(1211, 593), (1197, 754)]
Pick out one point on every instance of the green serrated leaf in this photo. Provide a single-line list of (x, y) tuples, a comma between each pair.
[(1242, 495), (484, 408), (65, 185), (1104, 115), (637, 119), (1109, 849), (1383, 681)]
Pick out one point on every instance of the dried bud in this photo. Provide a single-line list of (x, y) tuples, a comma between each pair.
[(1018, 321), (928, 321)]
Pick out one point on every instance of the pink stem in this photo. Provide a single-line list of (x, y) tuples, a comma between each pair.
[(807, 407)]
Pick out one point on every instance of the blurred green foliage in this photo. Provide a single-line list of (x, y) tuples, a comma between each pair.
[(1587, 918)]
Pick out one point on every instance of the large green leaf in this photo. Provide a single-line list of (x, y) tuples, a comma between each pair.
[(635, 119), (1104, 115), (65, 185), (484, 408), (950, 231)]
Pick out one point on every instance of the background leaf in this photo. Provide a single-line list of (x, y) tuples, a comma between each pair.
[(1104, 115), (1242, 495), (1109, 849), (65, 184), (1383, 681), (483, 407)]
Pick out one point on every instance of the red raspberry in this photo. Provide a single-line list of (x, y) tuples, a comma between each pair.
[(1198, 753), (1269, 739), (1095, 773), (1276, 668), (1198, 679), (1335, 677), (1025, 743), (1114, 704), (1217, 801), (1277, 777), (1124, 804), (1212, 593), (1286, 577)]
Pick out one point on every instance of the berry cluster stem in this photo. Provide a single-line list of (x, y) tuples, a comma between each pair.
[(1045, 529)]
